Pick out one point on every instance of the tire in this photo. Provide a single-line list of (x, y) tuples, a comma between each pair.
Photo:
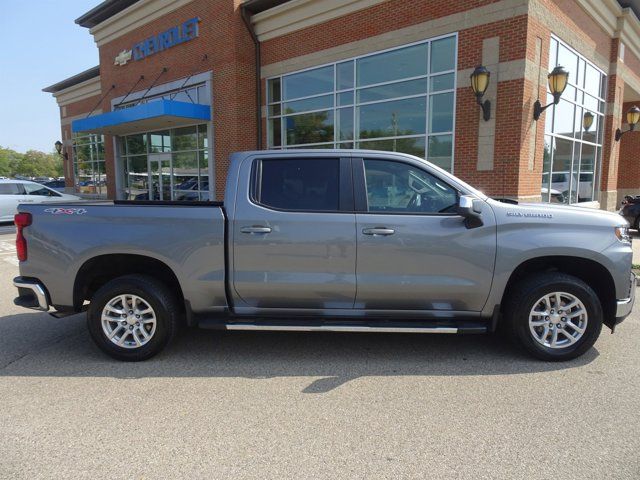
[(146, 332), (534, 296)]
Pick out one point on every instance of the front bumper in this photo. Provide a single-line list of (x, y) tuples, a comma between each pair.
[(625, 305), (31, 294)]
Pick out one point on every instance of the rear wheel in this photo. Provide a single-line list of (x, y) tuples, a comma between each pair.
[(554, 316), (133, 317)]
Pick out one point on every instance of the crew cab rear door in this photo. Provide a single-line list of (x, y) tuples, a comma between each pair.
[(414, 251), (294, 240)]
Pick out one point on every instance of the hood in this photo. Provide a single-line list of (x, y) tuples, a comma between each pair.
[(564, 213)]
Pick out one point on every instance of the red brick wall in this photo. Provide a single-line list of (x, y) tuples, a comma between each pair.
[(629, 163)]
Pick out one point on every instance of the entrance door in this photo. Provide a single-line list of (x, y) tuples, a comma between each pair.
[(160, 181)]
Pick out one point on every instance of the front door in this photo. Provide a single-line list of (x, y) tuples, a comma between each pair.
[(294, 235), (414, 251), (160, 181)]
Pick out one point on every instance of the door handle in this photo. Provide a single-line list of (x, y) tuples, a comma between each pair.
[(378, 231), (256, 229)]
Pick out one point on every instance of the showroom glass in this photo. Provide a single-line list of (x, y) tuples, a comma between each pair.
[(395, 187), (187, 164), (402, 100), (289, 184), (572, 154), (89, 164), (198, 94)]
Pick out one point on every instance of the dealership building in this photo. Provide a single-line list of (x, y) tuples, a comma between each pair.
[(181, 84)]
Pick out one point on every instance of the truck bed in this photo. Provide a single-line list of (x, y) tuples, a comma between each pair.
[(187, 236)]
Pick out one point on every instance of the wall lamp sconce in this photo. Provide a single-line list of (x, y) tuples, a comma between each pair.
[(59, 149), (587, 121), (558, 79), (479, 83), (633, 116)]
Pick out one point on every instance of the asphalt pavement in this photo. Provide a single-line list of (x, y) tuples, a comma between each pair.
[(291, 405)]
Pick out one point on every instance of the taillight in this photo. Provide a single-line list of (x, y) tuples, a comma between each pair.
[(21, 220)]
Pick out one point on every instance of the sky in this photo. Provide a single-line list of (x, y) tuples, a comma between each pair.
[(39, 45)]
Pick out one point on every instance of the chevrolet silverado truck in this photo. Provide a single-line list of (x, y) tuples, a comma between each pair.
[(329, 240)]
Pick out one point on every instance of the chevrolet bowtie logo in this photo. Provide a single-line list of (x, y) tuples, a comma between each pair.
[(123, 57)]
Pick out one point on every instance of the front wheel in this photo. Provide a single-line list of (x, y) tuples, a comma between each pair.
[(554, 316), (133, 317)]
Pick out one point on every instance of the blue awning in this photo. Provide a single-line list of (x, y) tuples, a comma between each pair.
[(144, 117)]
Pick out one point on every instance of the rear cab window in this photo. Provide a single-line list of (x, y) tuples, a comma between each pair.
[(296, 184)]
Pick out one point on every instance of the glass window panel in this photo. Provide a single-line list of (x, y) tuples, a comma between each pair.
[(345, 98), (306, 105), (185, 176), (273, 90), (401, 188), (275, 110), (591, 103), (290, 184), (546, 170), (136, 144), (137, 178), (441, 112), (548, 114), (563, 118), (591, 134), (160, 142), (307, 83), (275, 132), (443, 54), (578, 123), (203, 95), (392, 90), (580, 73), (553, 54), (345, 116), (203, 168), (185, 138), (347, 145), (442, 82), (592, 81), (309, 128), (561, 168), (398, 117), (569, 61), (345, 75), (393, 65), (440, 151), (203, 139), (412, 145), (587, 173)]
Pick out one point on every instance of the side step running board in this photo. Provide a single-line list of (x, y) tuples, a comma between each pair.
[(313, 325), (338, 328)]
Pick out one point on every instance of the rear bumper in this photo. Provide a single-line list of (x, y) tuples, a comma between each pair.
[(31, 294), (625, 305)]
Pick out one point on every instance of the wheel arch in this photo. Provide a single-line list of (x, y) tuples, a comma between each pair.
[(593, 273), (97, 271)]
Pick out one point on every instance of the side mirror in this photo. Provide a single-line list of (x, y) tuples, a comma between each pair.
[(471, 209)]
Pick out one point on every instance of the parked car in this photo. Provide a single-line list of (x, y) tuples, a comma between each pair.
[(434, 255), (14, 192), (57, 185), (630, 210)]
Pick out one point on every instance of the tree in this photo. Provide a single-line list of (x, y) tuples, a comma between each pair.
[(31, 164)]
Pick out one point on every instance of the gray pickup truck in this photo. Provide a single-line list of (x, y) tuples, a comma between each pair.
[(330, 240)]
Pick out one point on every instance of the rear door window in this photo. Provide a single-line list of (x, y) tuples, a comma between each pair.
[(311, 184), (40, 190), (10, 189)]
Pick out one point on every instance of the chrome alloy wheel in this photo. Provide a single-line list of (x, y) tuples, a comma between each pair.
[(128, 321), (558, 320)]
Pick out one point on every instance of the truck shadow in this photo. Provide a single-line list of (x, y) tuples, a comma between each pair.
[(35, 344)]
